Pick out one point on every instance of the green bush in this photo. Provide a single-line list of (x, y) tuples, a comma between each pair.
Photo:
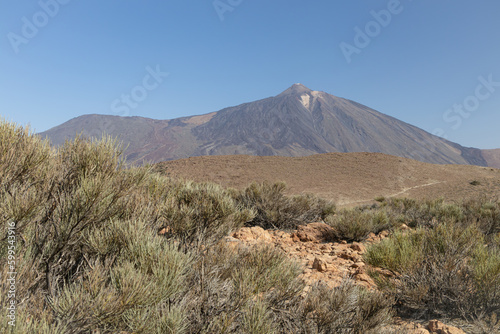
[(400, 252), (345, 309), (275, 210), (485, 213), (116, 289), (202, 213), (91, 257), (423, 213), (446, 270), (355, 224), (227, 283)]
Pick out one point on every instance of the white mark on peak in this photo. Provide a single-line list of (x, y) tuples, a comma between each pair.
[(305, 100)]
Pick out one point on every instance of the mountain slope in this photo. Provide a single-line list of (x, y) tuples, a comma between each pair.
[(297, 122), (300, 122), (492, 157)]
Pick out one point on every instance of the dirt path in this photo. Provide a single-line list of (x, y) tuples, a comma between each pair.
[(406, 189), (414, 187)]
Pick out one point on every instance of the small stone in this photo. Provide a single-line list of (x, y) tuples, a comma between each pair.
[(319, 265), (255, 233), (357, 265), (404, 227), (165, 230), (315, 232), (358, 247), (438, 327)]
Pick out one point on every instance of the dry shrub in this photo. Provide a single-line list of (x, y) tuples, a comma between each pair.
[(241, 290), (90, 260), (423, 213), (485, 213), (346, 309), (126, 290), (200, 214), (275, 210), (257, 290), (444, 271), (355, 224)]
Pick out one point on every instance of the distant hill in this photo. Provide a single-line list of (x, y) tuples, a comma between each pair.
[(346, 178), (297, 122), (492, 157)]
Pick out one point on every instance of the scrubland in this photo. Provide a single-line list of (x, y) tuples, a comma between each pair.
[(104, 247)]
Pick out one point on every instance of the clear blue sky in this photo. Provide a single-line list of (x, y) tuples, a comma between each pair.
[(83, 56)]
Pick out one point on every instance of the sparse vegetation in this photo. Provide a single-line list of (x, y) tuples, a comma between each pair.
[(445, 269), (347, 308), (103, 247), (356, 224), (276, 210)]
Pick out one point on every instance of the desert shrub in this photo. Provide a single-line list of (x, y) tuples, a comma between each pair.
[(344, 309), (400, 252), (23, 156), (242, 290), (446, 270), (24, 165), (202, 213), (257, 319), (483, 212), (55, 197), (257, 290), (423, 213), (92, 261), (276, 210), (198, 214), (487, 324), (126, 289), (87, 188), (355, 224)]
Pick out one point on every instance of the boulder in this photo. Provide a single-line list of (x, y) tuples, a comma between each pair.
[(358, 247), (315, 232), (255, 233), (319, 265), (438, 327)]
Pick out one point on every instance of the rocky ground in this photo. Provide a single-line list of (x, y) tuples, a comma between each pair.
[(328, 261)]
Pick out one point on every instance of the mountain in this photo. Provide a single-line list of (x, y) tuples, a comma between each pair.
[(297, 122)]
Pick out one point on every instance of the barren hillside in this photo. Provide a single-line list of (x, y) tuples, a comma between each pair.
[(347, 178)]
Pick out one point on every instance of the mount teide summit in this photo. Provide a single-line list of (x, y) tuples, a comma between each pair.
[(297, 122)]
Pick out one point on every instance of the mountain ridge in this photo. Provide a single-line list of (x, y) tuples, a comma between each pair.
[(297, 122)]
